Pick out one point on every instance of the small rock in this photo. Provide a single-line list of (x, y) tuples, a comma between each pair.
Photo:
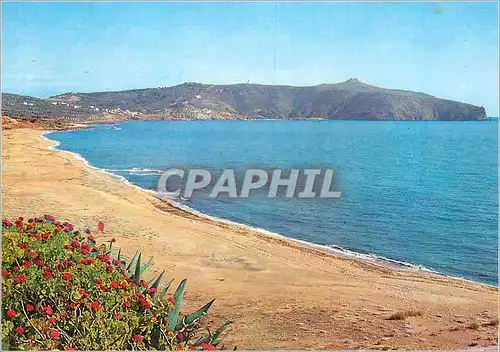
[(472, 344)]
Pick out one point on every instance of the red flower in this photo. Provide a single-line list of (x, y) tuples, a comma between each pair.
[(67, 263), (109, 267), (145, 304), (117, 316), (11, 313), (95, 305), (172, 300), (207, 347), (66, 276), (52, 320), (49, 218), (23, 246), (27, 264), (7, 223), (138, 338), (100, 226), (15, 268), (20, 279), (126, 304), (73, 305), (33, 255), (75, 244), (54, 334), (152, 290), (87, 231), (47, 274), (69, 348), (39, 263), (114, 284), (47, 310), (5, 273), (124, 284), (30, 307), (113, 240), (19, 330)]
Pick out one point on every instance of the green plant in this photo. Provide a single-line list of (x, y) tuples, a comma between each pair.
[(61, 291)]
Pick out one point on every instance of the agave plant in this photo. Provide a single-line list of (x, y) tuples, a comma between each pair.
[(176, 323)]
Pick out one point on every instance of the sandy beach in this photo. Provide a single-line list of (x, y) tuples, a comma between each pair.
[(278, 294)]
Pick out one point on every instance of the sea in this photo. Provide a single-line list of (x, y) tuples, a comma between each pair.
[(422, 194)]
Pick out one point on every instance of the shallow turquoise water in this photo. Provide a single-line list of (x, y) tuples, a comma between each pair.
[(418, 192)]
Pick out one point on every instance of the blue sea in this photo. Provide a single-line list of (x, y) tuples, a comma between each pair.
[(423, 193)]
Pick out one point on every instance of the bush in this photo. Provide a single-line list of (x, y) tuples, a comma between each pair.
[(61, 291), (402, 315)]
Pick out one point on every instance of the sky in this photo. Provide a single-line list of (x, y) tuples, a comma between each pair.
[(449, 50)]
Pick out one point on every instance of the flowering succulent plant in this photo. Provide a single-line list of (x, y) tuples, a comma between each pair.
[(61, 291)]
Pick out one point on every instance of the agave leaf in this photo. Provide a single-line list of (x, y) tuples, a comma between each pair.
[(178, 295), (191, 318), (129, 266), (165, 289), (137, 274), (156, 283), (155, 337), (215, 337), (147, 265)]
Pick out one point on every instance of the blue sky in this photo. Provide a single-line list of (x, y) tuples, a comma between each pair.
[(445, 49)]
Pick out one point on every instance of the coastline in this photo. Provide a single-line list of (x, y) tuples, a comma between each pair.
[(260, 268), (334, 250)]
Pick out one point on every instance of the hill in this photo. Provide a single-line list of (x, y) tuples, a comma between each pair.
[(351, 99)]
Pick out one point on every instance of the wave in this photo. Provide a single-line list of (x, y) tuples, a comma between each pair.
[(335, 250), (78, 156), (138, 171)]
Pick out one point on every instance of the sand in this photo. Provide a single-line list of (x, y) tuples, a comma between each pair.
[(277, 293)]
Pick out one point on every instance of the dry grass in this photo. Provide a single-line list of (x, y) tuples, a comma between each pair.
[(474, 325), (403, 314)]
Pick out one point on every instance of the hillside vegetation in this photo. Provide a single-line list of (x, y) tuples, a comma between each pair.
[(351, 99)]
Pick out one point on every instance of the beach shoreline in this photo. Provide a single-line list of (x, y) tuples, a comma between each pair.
[(334, 250), (247, 268)]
